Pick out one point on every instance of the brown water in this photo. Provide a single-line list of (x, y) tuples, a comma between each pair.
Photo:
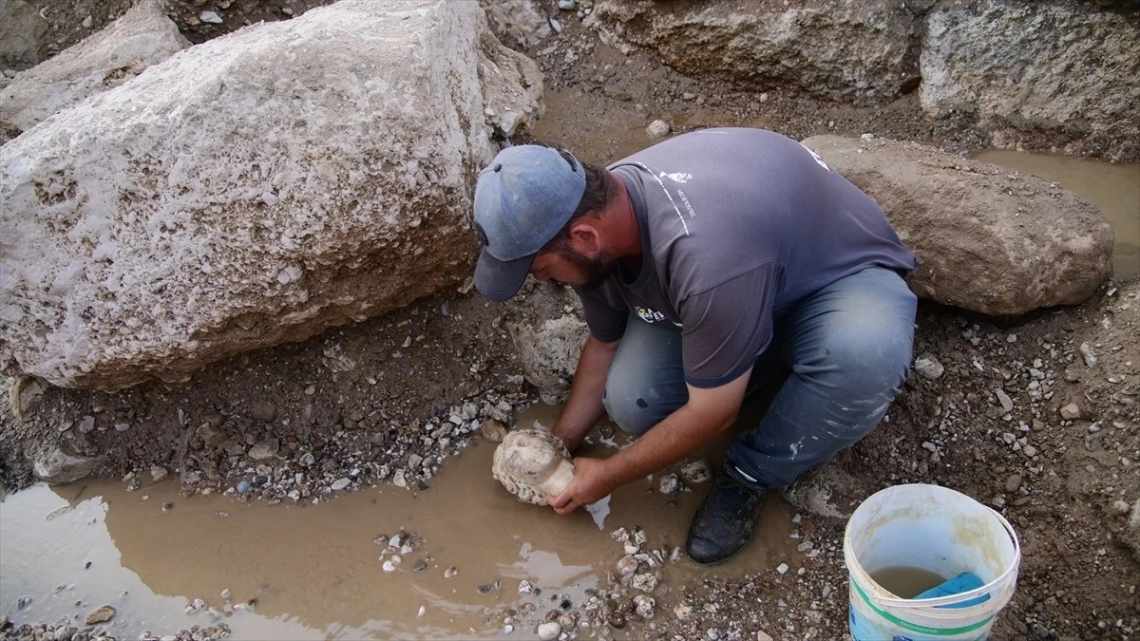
[(907, 581), (1115, 189), (315, 571)]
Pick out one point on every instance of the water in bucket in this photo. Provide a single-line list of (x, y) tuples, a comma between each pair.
[(927, 563)]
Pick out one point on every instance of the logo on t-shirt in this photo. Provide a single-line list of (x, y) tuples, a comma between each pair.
[(651, 316)]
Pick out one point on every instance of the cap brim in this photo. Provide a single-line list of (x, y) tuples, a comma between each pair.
[(500, 280)]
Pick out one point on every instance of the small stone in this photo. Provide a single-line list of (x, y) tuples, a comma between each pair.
[(399, 480), (340, 484), (86, 424), (763, 636), (928, 367), (1071, 411), (157, 473), (644, 606), (307, 459), (100, 615), (658, 129), (210, 17), (683, 611), (696, 472), (392, 563), (670, 484), (88, 22), (225, 594), (1012, 482), (646, 582), (1088, 355), (244, 486), (526, 587), (627, 565), (556, 26), (782, 568), (450, 572), (1120, 506), (1004, 400), (1029, 451), (493, 431), (122, 427), (567, 5), (549, 631), (264, 450)]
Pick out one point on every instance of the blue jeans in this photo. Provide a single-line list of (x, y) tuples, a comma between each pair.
[(837, 359)]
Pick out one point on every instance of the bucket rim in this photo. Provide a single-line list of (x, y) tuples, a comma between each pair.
[(953, 599)]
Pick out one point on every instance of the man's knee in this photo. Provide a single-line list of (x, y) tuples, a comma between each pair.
[(627, 406)]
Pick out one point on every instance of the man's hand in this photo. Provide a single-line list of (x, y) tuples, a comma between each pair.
[(592, 481)]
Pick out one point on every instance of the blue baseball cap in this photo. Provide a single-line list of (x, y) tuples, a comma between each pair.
[(522, 200)]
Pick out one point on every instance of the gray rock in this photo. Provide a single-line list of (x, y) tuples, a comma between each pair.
[(340, 484), (567, 5), (264, 450), (669, 484), (1066, 67), (363, 222), (928, 366), (644, 606), (987, 240), (1070, 411), (1012, 482), (517, 20), (1004, 400), (86, 424), (848, 50), (696, 472), (210, 17), (142, 37), (549, 353), (157, 473), (21, 32), (1088, 355), (56, 466), (658, 129), (549, 631)]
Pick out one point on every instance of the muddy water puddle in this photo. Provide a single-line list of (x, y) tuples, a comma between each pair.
[(1114, 189), (314, 571)]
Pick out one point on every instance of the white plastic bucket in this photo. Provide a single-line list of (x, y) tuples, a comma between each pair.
[(940, 530)]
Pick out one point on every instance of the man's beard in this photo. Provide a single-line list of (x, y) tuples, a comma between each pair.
[(597, 269)]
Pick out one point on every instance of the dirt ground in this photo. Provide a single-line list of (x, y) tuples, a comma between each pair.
[(360, 401)]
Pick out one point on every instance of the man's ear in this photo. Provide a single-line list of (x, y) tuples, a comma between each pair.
[(585, 238)]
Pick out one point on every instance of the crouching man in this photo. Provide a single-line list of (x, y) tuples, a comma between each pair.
[(712, 266)]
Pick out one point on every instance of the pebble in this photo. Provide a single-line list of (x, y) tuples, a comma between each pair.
[(1012, 483), (646, 582), (1120, 506), (100, 615), (225, 594), (526, 587), (1087, 354), (644, 605), (556, 25), (264, 450), (782, 568), (567, 5), (763, 636), (243, 486), (627, 565), (86, 424), (1071, 411), (658, 129), (669, 484), (210, 17), (450, 572), (928, 367), (340, 484), (696, 472), (87, 22), (549, 631), (1004, 400), (391, 564)]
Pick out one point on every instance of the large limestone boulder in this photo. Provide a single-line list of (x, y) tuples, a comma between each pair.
[(988, 239), (252, 190), (1067, 67), (832, 48), (141, 37)]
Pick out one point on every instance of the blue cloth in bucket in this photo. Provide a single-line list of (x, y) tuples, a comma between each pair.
[(961, 583)]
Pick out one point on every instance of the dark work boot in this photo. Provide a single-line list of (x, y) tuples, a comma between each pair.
[(724, 522)]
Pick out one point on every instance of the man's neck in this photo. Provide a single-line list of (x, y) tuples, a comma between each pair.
[(627, 229)]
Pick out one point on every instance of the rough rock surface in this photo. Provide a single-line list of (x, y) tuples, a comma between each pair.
[(1066, 66), (142, 37), (549, 353), (252, 190), (988, 239), (533, 465), (53, 465), (21, 29), (518, 20), (830, 48)]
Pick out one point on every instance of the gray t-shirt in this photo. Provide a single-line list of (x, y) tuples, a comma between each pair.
[(736, 226)]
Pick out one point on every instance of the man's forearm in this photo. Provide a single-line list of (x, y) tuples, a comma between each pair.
[(681, 433), (584, 407)]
